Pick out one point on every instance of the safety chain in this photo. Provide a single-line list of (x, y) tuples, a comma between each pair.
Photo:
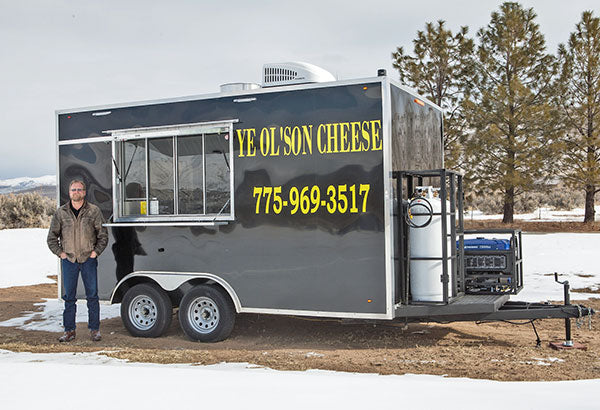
[(579, 319)]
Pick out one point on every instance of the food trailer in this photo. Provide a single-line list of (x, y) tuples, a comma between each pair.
[(301, 196)]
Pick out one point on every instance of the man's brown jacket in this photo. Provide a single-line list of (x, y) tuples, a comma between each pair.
[(77, 237)]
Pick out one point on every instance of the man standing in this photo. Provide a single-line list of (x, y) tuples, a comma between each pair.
[(77, 236)]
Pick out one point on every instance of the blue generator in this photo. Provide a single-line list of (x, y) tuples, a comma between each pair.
[(493, 266)]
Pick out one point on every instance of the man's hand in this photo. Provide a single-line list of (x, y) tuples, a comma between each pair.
[(63, 255), (93, 255)]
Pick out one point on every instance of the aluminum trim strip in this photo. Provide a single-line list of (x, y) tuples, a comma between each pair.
[(231, 174), (114, 181), (208, 223), (203, 177), (85, 140), (191, 275), (317, 313), (176, 218), (57, 153), (147, 153), (388, 195), (175, 176)]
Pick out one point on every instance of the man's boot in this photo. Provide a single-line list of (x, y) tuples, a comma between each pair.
[(67, 336), (95, 335)]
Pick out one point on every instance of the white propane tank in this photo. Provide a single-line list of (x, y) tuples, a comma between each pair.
[(426, 275)]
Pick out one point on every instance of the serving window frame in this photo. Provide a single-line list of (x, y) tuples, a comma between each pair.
[(169, 131)]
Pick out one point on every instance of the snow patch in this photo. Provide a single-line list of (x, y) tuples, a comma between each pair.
[(573, 255), (314, 354), (26, 259), (543, 362), (176, 386), (49, 318), (539, 215)]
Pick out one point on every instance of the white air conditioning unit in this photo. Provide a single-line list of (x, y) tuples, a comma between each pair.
[(276, 74)]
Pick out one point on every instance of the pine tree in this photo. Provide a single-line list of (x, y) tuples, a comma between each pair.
[(440, 69), (578, 97), (514, 127)]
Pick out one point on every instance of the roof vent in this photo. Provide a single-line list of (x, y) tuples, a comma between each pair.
[(275, 74), (233, 87)]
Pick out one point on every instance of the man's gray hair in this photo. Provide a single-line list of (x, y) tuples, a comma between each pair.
[(77, 181)]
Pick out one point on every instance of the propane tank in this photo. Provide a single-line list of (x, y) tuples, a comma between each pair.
[(426, 242)]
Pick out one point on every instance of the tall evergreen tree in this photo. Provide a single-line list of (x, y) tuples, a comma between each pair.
[(440, 69), (513, 124), (578, 97)]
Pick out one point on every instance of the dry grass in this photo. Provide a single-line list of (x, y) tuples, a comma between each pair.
[(29, 210)]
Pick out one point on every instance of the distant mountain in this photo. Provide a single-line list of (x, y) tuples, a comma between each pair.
[(27, 184)]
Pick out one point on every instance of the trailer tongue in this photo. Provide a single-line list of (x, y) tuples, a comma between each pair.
[(490, 308)]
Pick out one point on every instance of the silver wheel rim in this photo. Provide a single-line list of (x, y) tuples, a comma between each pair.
[(203, 315), (142, 312)]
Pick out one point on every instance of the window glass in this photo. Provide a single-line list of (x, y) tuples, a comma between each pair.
[(216, 149), (134, 168), (190, 168), (187, 175), (160, 164)]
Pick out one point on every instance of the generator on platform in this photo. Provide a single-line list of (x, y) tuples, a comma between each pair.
[(297, 197), (494, 266)]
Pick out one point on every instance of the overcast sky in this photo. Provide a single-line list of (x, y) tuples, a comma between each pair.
[(75, 53)]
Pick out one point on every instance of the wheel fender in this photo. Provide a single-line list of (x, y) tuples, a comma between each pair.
[(172, 280)]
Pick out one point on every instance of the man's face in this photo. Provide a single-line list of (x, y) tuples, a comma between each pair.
[(76, 192)]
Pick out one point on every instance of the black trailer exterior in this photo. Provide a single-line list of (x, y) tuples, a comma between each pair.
[(280, 199)]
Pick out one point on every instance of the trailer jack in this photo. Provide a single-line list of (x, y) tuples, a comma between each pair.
[(568, 344)]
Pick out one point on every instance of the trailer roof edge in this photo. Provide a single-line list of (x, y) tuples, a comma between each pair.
[(226, 94)]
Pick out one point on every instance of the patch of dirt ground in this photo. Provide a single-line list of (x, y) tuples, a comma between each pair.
[(498, 351)]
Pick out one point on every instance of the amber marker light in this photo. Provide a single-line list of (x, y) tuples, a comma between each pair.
[(365, 87), (369, 301), (421, 103)]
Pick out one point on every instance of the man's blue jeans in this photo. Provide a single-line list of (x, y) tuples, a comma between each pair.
[(70, 274)]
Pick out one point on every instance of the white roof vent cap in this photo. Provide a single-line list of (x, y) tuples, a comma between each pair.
[(276, 74), (234, 87)]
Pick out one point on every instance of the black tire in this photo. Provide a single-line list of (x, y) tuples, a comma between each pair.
[(206, 314), (146, 310)]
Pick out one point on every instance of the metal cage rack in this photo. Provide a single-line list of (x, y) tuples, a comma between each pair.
[(450, 185)]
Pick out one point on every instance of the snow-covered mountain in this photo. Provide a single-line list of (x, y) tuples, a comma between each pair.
[(8, 186)]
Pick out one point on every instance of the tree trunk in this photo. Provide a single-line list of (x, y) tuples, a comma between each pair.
[(509, 205), (589, 204)]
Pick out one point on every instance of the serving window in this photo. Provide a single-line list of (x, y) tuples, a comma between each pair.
[(174, 173)]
